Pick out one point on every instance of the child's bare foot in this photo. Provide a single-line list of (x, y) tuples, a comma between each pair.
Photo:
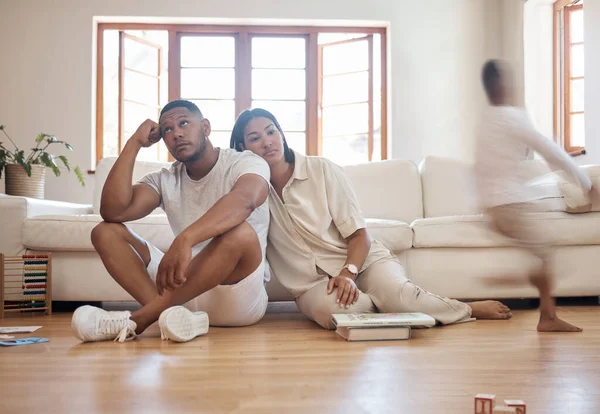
[(489, 309), (556, 325)]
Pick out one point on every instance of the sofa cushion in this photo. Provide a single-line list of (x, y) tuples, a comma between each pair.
[(560, 229), (449, 185), (388, 189), (593, 171), (72, 233), (395, 235)]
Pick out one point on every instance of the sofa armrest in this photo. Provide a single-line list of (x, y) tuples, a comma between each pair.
[(14, 211)]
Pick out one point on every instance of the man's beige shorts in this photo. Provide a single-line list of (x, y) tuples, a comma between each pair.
[(242, 304)]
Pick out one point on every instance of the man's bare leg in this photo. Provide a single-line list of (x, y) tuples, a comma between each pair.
[(125, 256), (227, 259), (549, 322)]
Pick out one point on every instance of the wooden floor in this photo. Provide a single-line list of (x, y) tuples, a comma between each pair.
[(286, 364)]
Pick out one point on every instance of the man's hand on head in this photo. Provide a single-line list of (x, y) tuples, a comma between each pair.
[(147, 134)]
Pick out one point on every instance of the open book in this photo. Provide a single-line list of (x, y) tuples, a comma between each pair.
[(369, 320)]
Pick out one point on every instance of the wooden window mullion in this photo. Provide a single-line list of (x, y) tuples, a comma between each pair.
[(313, 96), (370, 98)]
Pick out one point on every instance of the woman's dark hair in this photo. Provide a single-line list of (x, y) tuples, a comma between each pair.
[(237, 135)]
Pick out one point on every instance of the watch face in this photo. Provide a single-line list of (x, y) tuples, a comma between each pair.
[(353, 269)]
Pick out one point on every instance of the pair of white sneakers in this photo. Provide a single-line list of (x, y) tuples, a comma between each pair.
[(179, 324)]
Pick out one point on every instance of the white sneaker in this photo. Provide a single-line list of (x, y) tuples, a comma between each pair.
[(91, 324), (179, 324)]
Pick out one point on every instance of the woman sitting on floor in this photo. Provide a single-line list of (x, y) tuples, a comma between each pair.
[(319, 247)]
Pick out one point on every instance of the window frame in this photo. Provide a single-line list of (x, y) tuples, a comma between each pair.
[(243, 35), (562, 74)]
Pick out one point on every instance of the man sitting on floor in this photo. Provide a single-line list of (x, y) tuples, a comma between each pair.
[(216, 202)]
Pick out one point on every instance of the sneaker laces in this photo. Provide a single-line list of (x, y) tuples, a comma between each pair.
[(117, 324), (126, 334)]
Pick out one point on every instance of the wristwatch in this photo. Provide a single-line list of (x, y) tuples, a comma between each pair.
[(352, 269)]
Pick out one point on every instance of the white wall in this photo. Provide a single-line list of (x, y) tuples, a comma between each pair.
[(592, 82), (437, 49), (511, 35), (538, 32), (539, 72)]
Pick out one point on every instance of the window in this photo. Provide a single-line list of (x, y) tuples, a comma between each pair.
[(326, 86), (569, 70)]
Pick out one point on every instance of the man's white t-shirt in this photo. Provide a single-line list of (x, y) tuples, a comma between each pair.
[(505, 139), (185, 200)]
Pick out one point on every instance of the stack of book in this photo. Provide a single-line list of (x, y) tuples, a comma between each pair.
[(379, 326)]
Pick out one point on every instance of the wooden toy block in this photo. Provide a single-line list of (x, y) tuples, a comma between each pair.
[(484, 403), (518, 404), (502, 409)]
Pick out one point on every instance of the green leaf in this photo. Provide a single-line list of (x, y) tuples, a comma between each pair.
[(19, 158), (79, 175), (65, 161), (2, 161), (40, 137), (48, 161)]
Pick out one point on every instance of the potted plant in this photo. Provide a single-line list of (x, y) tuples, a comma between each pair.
[(26, 174)]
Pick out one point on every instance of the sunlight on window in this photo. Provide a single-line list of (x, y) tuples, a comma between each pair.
[(337, 37), (345, 105), (207, 52), (145, 87), (578, 130), (278, 52), (279, 84), (577, 26), (274, 69)]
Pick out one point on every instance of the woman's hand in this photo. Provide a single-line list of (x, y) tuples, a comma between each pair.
[(347, 292)]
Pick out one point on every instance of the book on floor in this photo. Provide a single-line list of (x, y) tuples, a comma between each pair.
[(393, 333), (358, 320)]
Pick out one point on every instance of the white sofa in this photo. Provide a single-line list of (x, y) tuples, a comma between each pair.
[(425, 214)]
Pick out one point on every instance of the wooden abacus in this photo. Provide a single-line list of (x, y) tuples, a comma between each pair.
[(26, 283)]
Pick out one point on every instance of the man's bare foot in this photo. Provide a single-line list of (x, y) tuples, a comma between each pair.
[(556, 325), (489, 309)]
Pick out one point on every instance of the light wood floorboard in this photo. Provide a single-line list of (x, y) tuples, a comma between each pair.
[(286, 364)]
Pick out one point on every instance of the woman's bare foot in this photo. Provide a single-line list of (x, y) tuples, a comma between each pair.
[(489, 309), (555, 324)]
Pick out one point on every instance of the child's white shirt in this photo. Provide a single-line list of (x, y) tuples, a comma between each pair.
[(505, 139)]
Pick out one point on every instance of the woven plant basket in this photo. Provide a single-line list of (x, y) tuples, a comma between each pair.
[(18, 183)]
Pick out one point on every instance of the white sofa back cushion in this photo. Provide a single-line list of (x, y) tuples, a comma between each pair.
[(388, 189), (449, 185), (385, 190), (140, 169)]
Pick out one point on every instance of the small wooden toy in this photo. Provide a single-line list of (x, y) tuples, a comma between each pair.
[(484, 403), (518, 404), (26, 283), (502, 409)]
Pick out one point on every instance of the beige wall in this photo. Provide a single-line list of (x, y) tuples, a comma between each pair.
[(592, 82), (539, 74), (436, 50)]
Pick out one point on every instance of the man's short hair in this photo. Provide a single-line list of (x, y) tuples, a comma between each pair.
[(181, 103)]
